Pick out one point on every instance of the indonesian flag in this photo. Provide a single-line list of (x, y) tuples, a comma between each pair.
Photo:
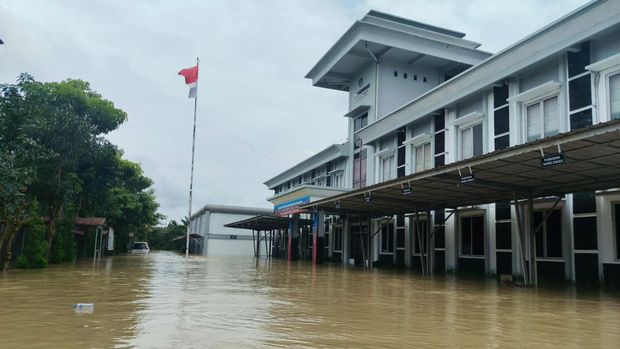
[(191, 79)]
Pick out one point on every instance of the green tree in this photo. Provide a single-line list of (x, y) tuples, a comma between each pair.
[(19, 154), (55, 164), (71, 120)]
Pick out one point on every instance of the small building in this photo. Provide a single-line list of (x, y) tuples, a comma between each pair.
[(209, 222)]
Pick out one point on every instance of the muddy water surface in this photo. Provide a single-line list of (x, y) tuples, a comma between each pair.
[(160, 301)]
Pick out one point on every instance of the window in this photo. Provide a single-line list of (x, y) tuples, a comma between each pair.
[(400, 153), (359, 169), (387, 238), (395, 73), (422, 157), (549, 237), (472, 236), (471, 141), (387, 168), (614, 96), (542, 119), (360, 122), (337, 238), (338, 180), (404, 75)]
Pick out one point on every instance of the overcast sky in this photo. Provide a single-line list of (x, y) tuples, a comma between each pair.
[(257, 115)]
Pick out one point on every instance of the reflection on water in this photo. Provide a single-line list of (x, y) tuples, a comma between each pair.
[(159, 301)]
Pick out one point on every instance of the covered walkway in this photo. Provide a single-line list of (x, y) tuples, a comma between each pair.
[(275, 231), (587, 159)]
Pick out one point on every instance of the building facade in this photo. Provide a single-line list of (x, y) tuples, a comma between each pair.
[(421, 97)]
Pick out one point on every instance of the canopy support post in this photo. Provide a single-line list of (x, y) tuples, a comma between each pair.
[(417, 234), (533, 267), (521, 238), (430, 255), (253, 244)]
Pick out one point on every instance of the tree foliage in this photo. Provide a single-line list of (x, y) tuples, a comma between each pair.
[(56, 164), (160, 238)]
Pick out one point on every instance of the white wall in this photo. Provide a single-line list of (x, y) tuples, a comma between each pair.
[(395, 91), (210, 223)]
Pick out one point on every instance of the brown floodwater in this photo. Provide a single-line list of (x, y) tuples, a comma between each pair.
[(160, 301)]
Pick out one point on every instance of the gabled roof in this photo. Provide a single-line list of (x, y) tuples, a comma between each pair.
[(379, 36), (89, 221), (553, 39)]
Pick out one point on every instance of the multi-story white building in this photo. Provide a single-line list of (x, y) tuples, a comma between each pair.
[(422, 97)]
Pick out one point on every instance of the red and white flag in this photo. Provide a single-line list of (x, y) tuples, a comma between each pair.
[(191, 79)]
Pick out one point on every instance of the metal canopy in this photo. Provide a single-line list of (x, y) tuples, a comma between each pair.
[(264, 223), (592, 162)]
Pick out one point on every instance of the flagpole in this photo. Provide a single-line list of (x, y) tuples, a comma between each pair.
[(191, 178)]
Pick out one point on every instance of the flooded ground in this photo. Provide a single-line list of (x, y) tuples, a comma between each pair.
[(159, 301)]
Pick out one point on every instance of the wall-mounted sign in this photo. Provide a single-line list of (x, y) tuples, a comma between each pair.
[(467, 178), (291, 207), (361, 93), (406, 190), (552, 160), (367, 199), (233, 237)]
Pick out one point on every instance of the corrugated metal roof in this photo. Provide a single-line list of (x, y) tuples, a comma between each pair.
[(592, 162)]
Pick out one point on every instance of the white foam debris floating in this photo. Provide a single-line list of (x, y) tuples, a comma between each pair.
[(84, 308)]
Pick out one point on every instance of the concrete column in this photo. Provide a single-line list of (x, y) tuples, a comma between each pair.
[(293, 238), (318, 237)]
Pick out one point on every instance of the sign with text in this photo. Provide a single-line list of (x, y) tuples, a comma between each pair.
[(291, 207), (406, 190), (553, 160), (467, 178)]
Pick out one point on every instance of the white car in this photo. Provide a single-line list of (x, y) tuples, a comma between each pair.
[(140, 248)]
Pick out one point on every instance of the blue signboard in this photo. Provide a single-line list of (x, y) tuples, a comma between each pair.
[(291, 207)]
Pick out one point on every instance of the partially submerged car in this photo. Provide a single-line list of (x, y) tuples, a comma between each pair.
[(140, 248)]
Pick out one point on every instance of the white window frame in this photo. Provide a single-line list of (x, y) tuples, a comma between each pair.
[(608, 76), (541, 102), (380, 157), (338, 177), (414, 156), (460, 138)]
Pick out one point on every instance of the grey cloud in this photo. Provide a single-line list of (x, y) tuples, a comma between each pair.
[(257, 114)]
